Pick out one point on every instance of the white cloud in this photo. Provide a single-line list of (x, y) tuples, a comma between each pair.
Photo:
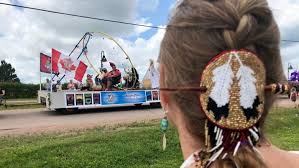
[(140, 29), (290, 55), (144, 50), (287, 18), (148, 5)]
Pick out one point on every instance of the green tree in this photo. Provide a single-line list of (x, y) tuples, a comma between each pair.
[(7, 73)]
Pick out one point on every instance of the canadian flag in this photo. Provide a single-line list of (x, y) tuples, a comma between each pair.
[(65, 65)]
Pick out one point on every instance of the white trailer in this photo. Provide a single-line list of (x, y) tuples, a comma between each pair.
[(74, 100)]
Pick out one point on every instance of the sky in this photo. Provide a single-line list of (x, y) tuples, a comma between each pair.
[(25, 33)]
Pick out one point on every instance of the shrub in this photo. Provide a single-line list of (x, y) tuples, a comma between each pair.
[(19, 90)]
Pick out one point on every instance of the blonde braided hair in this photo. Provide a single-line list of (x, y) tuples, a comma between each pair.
[(201, 29)]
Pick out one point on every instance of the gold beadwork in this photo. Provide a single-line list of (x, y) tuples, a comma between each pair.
[(236, 119)]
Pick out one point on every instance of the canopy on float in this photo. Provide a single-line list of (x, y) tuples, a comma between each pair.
[(151, 78)]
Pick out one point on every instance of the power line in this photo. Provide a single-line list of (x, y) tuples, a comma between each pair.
[(102, 19), (291, 41), (81, 16)]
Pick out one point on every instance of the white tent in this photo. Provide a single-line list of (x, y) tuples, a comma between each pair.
[(152, 75)]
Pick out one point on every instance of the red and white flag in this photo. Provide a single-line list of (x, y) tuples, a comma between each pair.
[(55, 59), (65, 65), (45, 63), (80, 71)]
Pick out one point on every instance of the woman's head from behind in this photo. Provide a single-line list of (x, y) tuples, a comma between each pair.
[(198, 31)]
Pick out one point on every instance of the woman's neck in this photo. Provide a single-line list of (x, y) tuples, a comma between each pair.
[(189, 144)]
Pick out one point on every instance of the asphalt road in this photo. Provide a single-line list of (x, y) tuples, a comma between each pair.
[(29, 121)]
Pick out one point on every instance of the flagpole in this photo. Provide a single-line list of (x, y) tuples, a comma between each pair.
[(40, 75), (288, 71), (51, 75)]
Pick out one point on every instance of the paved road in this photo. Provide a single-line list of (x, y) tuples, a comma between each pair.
[(15, 122), (285, 102)]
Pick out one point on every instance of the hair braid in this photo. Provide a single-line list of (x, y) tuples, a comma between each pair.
[(200, 29)]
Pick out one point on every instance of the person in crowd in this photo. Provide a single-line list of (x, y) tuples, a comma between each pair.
[(2, 94), (113, 77), (294, 76), (58, 86), (293, 96), (89, 82), (97, 80), (215, 59), (132, 79), (71, 85), (80, 85), (101, 79)]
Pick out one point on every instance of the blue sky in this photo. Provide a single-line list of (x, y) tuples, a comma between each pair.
[(158, 16)]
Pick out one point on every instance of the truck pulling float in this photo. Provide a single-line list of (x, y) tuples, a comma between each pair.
[(72, 100)]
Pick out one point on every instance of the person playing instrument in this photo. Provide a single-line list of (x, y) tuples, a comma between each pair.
[(216, 58)]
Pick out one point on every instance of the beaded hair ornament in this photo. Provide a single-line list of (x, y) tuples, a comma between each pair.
[(232, 96)]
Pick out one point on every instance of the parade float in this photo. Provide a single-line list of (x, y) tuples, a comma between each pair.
[(75, 66), (293, 78)]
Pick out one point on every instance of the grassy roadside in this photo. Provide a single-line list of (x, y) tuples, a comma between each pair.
[(282, 128), (21, 104), (134, 146)]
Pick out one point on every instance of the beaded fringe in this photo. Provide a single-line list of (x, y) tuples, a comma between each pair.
[(220, 141)]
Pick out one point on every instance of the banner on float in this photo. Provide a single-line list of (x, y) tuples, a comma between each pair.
[(45, 63), (123, 97)]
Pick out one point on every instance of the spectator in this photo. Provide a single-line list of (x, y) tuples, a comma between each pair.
[(2, 94)]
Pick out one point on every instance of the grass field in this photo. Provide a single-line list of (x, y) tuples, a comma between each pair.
[(21, 104), (27, 106), (135, 145), (283, 128)]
